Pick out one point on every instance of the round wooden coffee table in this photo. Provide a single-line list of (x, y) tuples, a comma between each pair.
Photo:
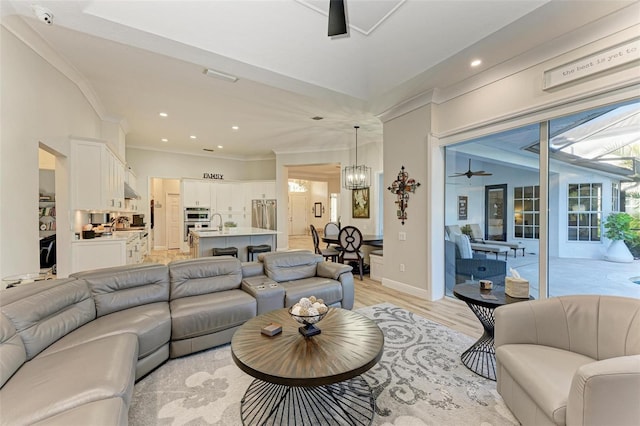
[(312, 380)]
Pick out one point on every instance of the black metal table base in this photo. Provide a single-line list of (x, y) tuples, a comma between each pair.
[(346, 403), (481, 356)]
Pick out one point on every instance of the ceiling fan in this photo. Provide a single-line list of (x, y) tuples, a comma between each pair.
[(337, 18), (469, 173)]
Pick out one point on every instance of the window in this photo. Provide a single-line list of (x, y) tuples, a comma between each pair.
[(615, 197), (585, 211), (526, 208)]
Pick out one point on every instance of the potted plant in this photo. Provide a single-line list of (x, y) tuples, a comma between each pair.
[(618, 228), (466, 230)]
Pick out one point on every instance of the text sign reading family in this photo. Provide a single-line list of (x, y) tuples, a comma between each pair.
[(602, 61), (216, 176)]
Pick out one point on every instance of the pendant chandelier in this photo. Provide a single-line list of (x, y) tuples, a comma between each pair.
[(357, 176)]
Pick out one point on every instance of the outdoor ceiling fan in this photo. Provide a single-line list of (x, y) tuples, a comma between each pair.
[(337, 18), (469, 173)]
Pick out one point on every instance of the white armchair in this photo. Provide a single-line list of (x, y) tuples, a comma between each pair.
[(571, 360)]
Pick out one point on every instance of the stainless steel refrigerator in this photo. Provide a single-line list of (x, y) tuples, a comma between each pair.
[(263, 214)]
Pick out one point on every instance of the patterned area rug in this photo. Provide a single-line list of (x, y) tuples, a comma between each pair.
[(419, 381)]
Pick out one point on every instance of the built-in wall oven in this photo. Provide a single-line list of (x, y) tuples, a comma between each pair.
[(196, 218)]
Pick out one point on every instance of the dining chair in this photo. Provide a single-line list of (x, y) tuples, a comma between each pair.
[(328, 253), (331, 229), (350, 239)]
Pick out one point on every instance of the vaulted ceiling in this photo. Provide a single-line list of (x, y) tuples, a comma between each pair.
[(140, 58)]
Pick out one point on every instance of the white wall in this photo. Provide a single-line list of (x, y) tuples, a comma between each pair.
[(405, 144), (39, 105)]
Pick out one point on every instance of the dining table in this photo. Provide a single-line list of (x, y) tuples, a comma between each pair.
[(367, 239)]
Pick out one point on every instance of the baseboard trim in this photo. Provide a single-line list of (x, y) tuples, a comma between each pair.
[(160, 248), (405, 288)]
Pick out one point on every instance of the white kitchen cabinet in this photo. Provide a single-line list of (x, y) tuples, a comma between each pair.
[(97, 253), (230, 198), (96, 177), (223, 198), (196, 193), (261, 190)]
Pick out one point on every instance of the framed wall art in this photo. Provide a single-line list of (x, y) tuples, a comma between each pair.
[(317, 209), (360, 203), (463, 201)]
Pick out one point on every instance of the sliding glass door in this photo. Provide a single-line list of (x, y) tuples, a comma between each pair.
[(490, 196), (494, 193)]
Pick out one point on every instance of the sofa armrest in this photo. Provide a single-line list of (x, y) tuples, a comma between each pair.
[(606, 392), (332, 270), (341, 273), (269, 294), (515, 323)]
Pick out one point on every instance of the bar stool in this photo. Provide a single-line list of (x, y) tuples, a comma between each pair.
[(262, 248), (225, 251)]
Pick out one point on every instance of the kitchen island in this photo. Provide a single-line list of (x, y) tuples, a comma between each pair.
[(202, 242)]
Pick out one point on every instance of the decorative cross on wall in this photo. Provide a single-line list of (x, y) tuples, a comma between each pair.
[(402, 187)]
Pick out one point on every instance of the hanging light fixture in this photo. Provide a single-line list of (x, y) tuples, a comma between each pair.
[(357, 176)]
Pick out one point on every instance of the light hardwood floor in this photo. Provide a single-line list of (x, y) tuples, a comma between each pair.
[(450, 312)]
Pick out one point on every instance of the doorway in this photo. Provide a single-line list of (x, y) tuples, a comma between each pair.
[(495, 217), (297, 214), (174, 221)]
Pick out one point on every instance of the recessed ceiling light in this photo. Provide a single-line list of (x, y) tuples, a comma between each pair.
[(164, 140), (220, 147), (193, 137), (163, 114), (235, 127), (476, 62)]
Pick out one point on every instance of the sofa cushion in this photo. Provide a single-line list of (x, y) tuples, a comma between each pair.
[(209, 313), (12, 351), (289, 266), (118, 288), (52, 384), (112, 411), (547, 372), (202, 276), (43, 313), (327, 289), (151, 323)]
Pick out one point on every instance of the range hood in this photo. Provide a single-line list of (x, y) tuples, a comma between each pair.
[(129, 192)]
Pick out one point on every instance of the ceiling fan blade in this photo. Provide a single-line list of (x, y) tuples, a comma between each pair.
[(482, 174), (337, 18), (458, 175)]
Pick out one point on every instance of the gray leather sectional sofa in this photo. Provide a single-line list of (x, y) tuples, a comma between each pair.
[(71, 349)]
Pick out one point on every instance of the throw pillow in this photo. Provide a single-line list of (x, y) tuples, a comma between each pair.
[(464, 246)]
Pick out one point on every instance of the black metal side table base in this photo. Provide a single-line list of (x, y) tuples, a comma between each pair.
[(345, 403), (481, 356)]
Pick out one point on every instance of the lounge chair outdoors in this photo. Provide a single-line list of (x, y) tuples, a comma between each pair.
[(469, 266), (453, 230), (478, 237)]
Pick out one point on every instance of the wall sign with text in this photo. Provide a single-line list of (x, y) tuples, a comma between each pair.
[(603, 60), (462, 207), (215, 176)]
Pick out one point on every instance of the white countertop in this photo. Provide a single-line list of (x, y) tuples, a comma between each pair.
[(119, 235), (234, 232)]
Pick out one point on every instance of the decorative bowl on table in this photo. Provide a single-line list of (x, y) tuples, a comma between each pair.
[(309, 311)]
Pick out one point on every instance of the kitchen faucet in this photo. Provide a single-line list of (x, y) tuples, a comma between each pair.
[(219, 228)]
